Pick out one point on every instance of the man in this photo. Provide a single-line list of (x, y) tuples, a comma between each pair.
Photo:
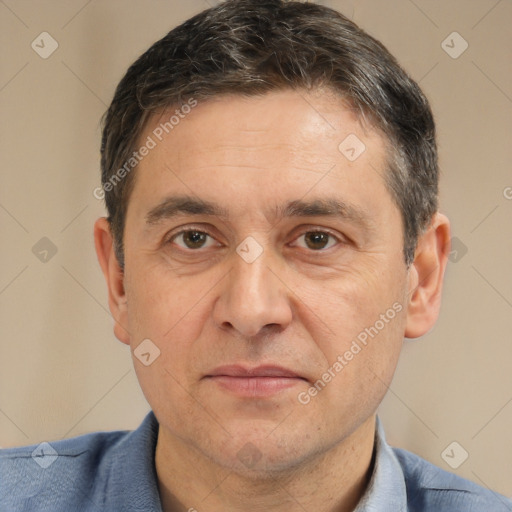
[(273, 234)]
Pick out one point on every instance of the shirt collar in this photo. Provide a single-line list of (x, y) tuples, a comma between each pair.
[(134, 477), (386, 490)]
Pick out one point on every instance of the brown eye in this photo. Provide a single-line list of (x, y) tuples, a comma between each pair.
[(191, 239), (316, 240)]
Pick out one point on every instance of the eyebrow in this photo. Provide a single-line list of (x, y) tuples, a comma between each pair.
[(174, 206)]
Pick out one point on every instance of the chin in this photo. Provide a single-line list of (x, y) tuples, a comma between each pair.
[(255, 454)]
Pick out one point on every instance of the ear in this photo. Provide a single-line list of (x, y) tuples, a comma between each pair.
[(426, 277), (114, 277)]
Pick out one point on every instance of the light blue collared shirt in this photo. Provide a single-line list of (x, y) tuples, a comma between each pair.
[(115, 472)]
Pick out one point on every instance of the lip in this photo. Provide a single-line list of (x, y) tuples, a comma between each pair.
[(237, 370), (257, 382)]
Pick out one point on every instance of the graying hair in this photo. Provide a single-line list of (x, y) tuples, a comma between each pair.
[(251, 47)]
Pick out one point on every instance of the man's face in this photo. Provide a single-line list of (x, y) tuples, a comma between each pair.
[(246, 326)]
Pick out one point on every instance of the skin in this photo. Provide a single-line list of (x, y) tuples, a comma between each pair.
[(299, 305)]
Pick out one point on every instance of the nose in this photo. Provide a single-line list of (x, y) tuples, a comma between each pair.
[(254, 298)]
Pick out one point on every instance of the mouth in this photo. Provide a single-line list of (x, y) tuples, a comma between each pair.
[(257, 382)]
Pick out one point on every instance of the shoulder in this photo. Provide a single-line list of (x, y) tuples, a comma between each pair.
[(59, 474), (431, 488)]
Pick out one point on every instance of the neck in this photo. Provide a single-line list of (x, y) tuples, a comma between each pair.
[(332, 481)]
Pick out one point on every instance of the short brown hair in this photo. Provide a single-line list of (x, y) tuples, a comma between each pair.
[(251, 47)]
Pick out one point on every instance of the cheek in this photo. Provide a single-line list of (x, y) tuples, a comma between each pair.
[(161, 305), (360, 335), (170, 313), (355, 305)]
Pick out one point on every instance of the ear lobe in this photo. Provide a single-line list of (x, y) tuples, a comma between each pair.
[(426, 277), (114, 277)]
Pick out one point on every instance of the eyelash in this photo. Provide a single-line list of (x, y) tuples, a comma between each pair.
[(192, 229)]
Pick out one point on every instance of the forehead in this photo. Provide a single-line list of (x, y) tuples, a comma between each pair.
[(279, 144)]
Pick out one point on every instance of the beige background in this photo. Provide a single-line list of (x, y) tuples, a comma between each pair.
[(62, 372)]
